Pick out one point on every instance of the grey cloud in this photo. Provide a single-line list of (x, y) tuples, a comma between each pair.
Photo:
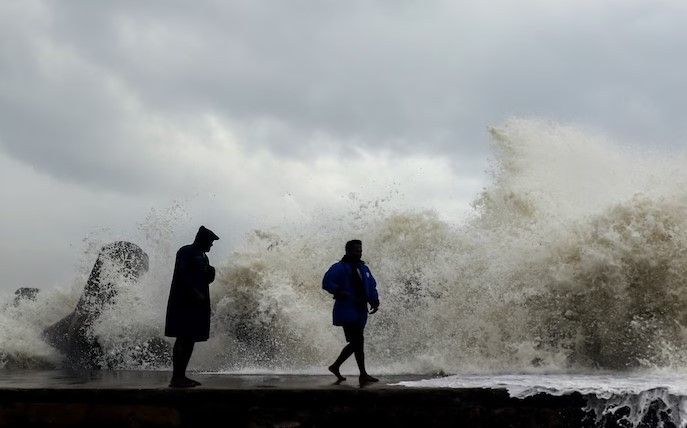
[(394, 75)]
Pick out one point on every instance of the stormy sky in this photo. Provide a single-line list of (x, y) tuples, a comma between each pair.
[(122, 117)]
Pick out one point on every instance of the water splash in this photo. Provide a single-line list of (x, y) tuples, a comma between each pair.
[(573, 258)]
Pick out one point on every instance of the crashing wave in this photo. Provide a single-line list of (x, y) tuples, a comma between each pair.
[(574, 258)]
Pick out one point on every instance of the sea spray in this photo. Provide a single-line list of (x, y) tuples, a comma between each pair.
[(572, 259), (128, 328), (21, 341)]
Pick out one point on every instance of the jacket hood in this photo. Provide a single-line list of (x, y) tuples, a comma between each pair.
[(205, 235)]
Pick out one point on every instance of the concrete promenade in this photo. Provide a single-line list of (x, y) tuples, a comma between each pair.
[(142, 399)]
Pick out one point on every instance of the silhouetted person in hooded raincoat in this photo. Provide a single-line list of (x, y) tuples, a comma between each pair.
[(353, 287), (188, 308)]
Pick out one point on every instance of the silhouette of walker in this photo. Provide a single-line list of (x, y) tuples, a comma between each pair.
[(353, 287), (188, 307)]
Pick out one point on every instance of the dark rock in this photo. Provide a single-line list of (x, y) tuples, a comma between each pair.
[(73, 335)]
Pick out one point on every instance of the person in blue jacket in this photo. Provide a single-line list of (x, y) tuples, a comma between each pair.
[(353, 287)]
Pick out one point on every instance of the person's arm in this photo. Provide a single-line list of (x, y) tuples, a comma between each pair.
[(210, 272), (332, 282), (372, 295), (195, 269)]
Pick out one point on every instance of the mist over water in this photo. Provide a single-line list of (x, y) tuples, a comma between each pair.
[(574, 258)]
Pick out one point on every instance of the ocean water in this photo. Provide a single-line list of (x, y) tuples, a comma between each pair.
[(649, 399), (572, 260)]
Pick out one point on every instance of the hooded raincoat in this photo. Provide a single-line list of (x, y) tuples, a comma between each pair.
[(188, 307)]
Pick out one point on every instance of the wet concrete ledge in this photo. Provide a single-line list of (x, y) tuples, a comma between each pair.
[(142, 399)]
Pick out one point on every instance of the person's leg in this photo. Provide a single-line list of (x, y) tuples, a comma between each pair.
[(177, 359), (181, 355), (346, 352), (358, 343)]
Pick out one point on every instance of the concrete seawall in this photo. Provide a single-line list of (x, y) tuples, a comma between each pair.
[(141, 399)]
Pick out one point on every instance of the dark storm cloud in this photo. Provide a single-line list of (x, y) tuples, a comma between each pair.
[(82, 79), (243, 112)]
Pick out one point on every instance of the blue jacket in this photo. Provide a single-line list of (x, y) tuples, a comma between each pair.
[(347, 307)]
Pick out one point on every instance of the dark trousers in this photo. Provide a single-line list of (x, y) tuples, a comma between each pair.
[(354, 335), (356, 341)]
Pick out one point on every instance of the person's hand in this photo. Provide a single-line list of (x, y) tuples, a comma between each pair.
[(210, 274), (375, 308)]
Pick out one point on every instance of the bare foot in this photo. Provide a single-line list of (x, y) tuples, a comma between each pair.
[(182, 383), (366, 378), (335, 371), (194, 382)]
